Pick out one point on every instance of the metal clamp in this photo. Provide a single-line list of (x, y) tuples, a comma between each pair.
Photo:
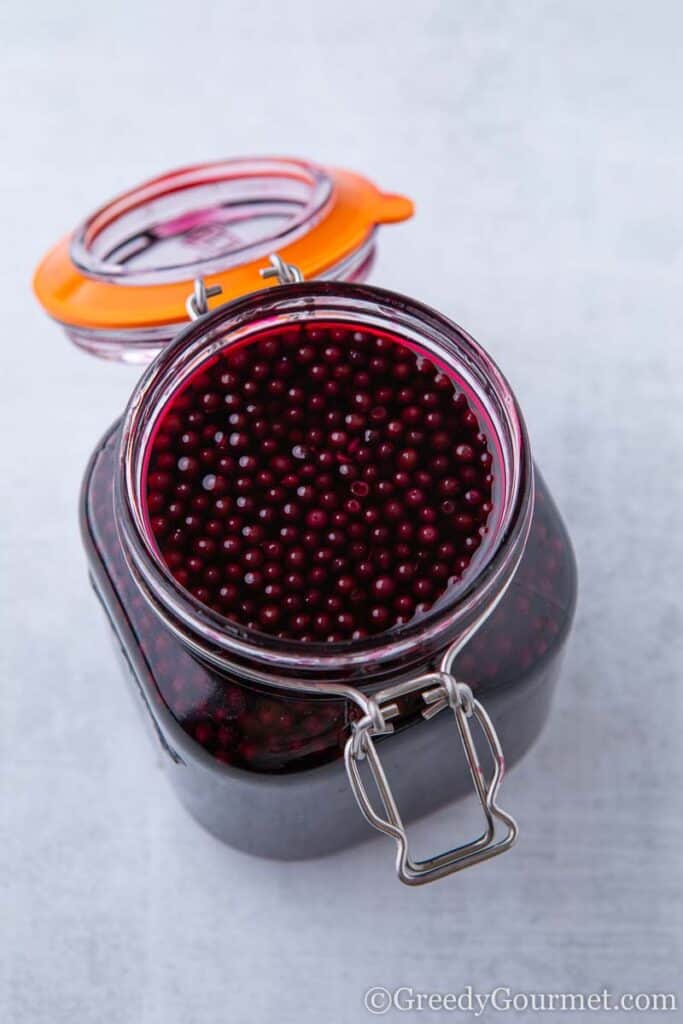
[(439, 690), (286, 273), (196, 304)]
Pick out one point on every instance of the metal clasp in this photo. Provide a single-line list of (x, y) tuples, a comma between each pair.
[(286, 273), (196, 304), (439, 690)]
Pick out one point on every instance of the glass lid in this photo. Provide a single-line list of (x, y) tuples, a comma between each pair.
[(118, 284), (200, 221)]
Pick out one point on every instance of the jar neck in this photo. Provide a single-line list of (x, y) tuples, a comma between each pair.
[(227, 645)]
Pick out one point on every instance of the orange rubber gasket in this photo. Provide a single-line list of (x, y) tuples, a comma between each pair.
[(354, 208)]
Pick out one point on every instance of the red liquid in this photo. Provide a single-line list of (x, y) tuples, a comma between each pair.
[(319, 483)]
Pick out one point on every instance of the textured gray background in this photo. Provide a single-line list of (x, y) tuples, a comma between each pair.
[(542, 143)]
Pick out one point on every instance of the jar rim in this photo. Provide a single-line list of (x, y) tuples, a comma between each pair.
[(219, 639)]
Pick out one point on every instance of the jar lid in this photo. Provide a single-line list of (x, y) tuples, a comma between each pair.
[(119, 283)]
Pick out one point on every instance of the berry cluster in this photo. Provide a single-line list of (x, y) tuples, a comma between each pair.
[(267, 731), (319, 483)]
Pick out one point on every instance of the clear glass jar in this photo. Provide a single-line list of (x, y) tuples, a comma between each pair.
[(255, 730)]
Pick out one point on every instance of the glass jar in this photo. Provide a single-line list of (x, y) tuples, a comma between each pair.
[(266, 740)]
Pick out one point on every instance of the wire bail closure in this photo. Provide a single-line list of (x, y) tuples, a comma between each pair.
[(286, 273), (196, 304), (439, 690)]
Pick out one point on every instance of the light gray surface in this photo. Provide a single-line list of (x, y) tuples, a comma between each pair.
[(542, 144)]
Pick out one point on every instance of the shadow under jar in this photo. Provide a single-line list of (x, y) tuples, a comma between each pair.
[(256, 700)]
